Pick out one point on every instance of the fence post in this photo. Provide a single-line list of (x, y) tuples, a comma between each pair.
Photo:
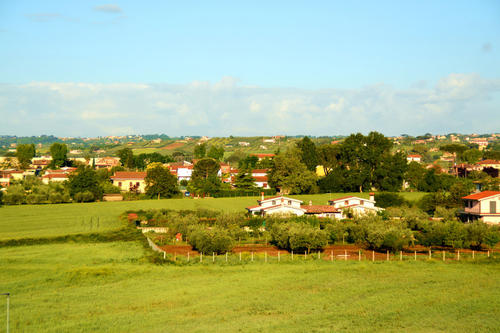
[(488, 253), (345, 255), (188, 256), (292, 255), (473, 254), (305, 255), (319, 255), (331, 255), (213, 256), (201, 256), (400, 255), (458, 255), (387, 255), (265, 256), (430, 254), (226, 256), (279, 258), (240, 255), (373, 255), (175, 256), (164, 255), (415, 255), (252, 255), (359, 255), (444, 255)]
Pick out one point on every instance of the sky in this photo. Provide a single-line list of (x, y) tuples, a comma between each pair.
[(219, 68)]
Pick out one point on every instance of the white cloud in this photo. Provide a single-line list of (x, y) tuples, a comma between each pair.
[(457, 103), (109, 8)]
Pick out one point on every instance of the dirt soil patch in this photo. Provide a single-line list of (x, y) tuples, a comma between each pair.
[(173, 145)]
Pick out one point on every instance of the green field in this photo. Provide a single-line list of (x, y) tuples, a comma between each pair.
[(62, 219), (113, 286), (110, 288)]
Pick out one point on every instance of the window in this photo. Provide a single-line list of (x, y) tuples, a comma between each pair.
[(361, 202), (274, 202), (346, 202), (137, 184), (290, 202), (120, 184)]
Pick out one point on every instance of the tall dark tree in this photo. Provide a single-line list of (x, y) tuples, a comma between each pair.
[(204, 178), (290, 175), (85, 180), (244, 180), (24, 154), (216, 153), (248, 162), (126, 157), (328, 157), (160, 182), (309, 155), (59, 153), (200, 150)]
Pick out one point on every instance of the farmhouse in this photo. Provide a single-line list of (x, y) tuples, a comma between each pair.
[(358, 206), (281, 205), (130, 181), (482, 206), (414, 158)]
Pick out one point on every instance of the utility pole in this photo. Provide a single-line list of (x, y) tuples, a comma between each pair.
[(8, 306)]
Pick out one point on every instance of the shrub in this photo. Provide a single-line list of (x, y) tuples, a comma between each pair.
[(337, 231), (35, 198), (377, 234), (15, 195), (207, 240), (448, 214), (85, 196), (298, 236)]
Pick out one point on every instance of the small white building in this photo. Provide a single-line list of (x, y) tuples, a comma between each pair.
[(359, 206), (414, 158), (483, 206), (277, 205)]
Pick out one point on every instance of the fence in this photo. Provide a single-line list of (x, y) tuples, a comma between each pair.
[(332, 256)]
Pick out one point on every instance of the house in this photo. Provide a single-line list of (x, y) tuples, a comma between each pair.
[(263, 156), (5, 178), (277, 205), (489, 164), (106, 162), (272, 140), (281, 205), (41, 161), (482, 206), (54, 177), (130, 181), (244, 143), (358, 206), (414, 158), (182, 171)]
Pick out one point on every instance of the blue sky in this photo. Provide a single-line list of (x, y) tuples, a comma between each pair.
[(229, 64)]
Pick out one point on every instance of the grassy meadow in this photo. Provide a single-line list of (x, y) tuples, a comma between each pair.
[(109, 287), (34, 221), (89, 286)]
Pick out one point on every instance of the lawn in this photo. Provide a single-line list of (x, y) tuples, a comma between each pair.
[(110, 287), (56, 220)]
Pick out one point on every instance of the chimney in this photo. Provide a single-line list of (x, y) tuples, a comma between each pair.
[(310, 203), (261, 195), (372, 196)]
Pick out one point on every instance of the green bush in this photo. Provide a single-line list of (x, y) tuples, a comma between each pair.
[(375, 233), (210, 240), (298, 236), (14, 195), (85, 196), (35, 198)]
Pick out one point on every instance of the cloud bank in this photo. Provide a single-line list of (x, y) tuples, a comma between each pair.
[(457, 103)]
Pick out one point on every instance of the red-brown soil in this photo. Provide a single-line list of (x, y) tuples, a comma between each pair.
[(173, 145)]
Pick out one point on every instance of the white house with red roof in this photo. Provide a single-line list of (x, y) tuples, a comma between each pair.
[(359, 206), (277, 205), (414, 158), (263, 156), (484, 206), (130, 181), (281, 205)]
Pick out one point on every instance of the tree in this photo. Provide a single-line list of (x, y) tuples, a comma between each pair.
[(200, 150), (82, 182), (415, 175), (290, 175), (204, 178), (126, 157), (471, 156), (216, 153), (244, 180), (248, 162), (454, 148), (59, 153), (24, 154), (328, 157), (309, 155), (160, 182)]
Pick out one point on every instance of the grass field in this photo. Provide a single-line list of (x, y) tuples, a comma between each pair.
[(56, 220), (87, 286), (110, 288)]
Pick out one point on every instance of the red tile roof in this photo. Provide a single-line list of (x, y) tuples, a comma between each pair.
[(260, 178), (481, 195), (263, 155), (415, 156), (126, 175), (488, 162), (318, 209)]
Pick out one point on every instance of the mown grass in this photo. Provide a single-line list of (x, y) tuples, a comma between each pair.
[(110, 287), (63, 219)]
